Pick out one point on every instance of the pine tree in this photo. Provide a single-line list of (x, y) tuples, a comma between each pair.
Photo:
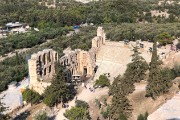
[(17, 59), (136, 69), (120, 103), (155, 81), (2, 109), (59, 91), (122, 86)]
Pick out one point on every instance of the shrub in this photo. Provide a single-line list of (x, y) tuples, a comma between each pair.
[(98, 103), (80, 103), (31, 96), (102, 81), (122, 117), (42, 116), (77, 113), (164, 38), (105, 114), (143, 117)]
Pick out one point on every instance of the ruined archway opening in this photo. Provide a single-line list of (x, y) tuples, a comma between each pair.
[(67, 61), (72, 72), (49, 56), (56, 56), (40, 73), (45, 71), (50, 69), (85, 71), (44, 58), (64, 62)]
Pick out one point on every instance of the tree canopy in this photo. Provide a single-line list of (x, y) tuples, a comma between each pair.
[(164, 38), (137, 68), (59, 91), (120, 104), (102, 81), (41, 116), (159, 80), (79, 112), (31, 96)]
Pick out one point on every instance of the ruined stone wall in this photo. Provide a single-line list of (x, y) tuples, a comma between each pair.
[(99, 40), (80, 62), (69, 61), (42, 68), (85, 66)]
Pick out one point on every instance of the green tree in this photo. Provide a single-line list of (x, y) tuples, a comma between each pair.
[(136, 69), (31, 96), (122, 117), (77, 113), (59, 91), (120, 103), (140, 117), (164, 38), (102, 81), (17, 58), (80, 103), (42, 116), (172, 18), (157, 85), (167, 77), (143, 117)]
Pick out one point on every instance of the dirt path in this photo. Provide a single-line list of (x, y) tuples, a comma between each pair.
[(142, 104), (85, 95)]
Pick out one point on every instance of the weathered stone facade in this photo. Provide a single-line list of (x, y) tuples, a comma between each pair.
[(42, 69), (78, 64)]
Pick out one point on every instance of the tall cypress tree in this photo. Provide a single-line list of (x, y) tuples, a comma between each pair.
[(120, 103), (136, 69), (17, 58), (59, 91), (155, 81)]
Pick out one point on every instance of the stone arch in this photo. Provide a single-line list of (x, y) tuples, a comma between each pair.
[(44, 71), (50, 69), (40, 62), (85, 70), (72, 71), (44, 58), (40, 58), (67, 61), (56, 56), (49, 56)]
